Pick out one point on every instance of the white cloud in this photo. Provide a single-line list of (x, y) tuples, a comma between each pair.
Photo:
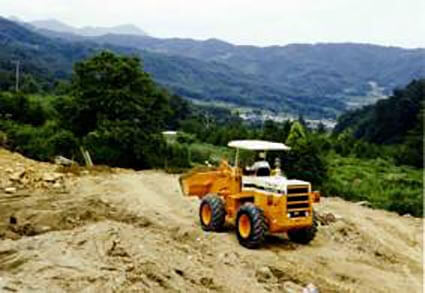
[(266, 22)]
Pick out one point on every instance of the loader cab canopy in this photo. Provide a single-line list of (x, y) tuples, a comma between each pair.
[(256, 145)]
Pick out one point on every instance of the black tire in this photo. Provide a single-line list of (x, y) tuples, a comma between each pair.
[(306, 235), (218, 213), (258, 226)]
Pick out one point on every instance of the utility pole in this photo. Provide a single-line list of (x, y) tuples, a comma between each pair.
[(18, 63)]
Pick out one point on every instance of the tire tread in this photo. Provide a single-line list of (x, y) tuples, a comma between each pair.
[(218, 213)]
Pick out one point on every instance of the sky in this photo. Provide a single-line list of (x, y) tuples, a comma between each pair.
[(261, 22)]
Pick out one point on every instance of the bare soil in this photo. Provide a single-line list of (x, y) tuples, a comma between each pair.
[(126, 231)]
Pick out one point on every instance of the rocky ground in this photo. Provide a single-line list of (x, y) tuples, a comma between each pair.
[(104, 230)]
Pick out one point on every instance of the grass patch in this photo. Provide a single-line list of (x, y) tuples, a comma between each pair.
[(380, 182)]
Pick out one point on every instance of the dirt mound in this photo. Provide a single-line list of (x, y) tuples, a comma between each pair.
[(18, 173), (134, 231), (58, 212)]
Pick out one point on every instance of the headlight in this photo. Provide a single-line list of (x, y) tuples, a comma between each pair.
[(306, 214), (289, 215)]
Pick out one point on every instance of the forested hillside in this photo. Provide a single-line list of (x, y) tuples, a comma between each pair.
[(47, 60), (317, 81), (396, 120), (321, 70), (43, 60)]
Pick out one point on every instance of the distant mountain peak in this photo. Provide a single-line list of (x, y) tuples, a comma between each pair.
[(87, 31), (53, 25), (123, 29), (14, 18)]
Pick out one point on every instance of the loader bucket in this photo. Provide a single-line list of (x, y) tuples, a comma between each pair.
[(198, 182)]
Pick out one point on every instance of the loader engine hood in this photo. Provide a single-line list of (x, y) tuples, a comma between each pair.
[(277, 185)]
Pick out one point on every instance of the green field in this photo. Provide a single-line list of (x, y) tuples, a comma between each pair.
[(384, 185)]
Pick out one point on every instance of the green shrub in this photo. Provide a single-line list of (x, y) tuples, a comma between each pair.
[(31, 141), (64, 143), (20, 108), (41, 143), (121, 144), (406, 202)]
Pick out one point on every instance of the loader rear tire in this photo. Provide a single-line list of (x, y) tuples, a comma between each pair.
[(251, 226), (212, 213), (306, 235)]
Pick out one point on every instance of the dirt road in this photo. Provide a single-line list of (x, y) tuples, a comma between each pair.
[(134, 232)]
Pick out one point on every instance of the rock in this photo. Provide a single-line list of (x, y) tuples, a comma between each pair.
[(291, 287), (117, 250), (59, 160), (407, 215), (207, 282), (48, 177), (229, 258), (364, 203), (57, 185), (310, 289), (338, 217), (10, 190), (326, 218), (330, 218), (11, 235), (17, 176), (264, 275), (52, 177)]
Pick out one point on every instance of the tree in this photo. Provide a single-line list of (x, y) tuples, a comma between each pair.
[(117, 111), (297, 134), (304, 160), (108, 87)]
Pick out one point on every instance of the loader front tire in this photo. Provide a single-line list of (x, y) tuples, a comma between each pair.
[(212, 213), (305, 235), (251, 226)]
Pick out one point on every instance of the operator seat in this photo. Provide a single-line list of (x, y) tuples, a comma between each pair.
[(262, 172)]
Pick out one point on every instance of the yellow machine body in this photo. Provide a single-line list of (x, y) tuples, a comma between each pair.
[(283, 212)]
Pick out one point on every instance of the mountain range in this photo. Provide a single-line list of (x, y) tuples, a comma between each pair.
[(87, 31), (316, 80)]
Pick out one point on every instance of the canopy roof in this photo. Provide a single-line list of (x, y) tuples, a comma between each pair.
[(258, 145)]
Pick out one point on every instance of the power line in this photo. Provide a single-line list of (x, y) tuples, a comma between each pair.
[(18, 63)]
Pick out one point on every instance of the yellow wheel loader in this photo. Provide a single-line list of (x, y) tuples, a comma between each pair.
[(253, 200)]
